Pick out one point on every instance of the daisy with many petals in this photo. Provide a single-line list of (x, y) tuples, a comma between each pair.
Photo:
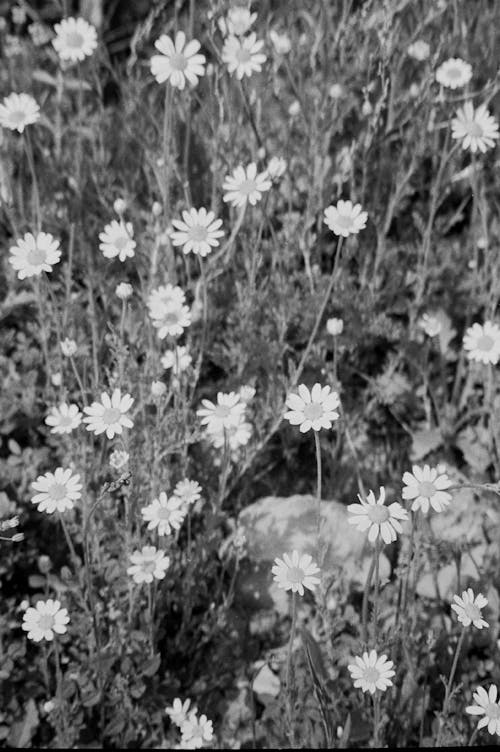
[(295, 572), (477, 129), (468, 608), (45, 620), (56, 491), (179, 711), (198, 233), (148, 564), (226, 413), (245, 184), (110, 414), (426, 487), (243, 56), (236, 436), (196, 730), (314, 409), (487, 705), (346, 218), (75, 39), (482, 342), (177, 62), (117, 239), (64, 418), (34, 254), (380, 520), (371, 672), (170, 318), (164, 514), (454, 73), (17, 111)]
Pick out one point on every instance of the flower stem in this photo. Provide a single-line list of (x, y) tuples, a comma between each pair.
[(376, 720), (449, 685), (318, 484), (377, 590), (364, 609), (288, 679)]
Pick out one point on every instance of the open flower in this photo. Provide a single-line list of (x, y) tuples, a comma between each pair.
[(346, 218), (488, 706), (371, 672), (468, 608), (381, 521), (314, 409), (196, 731), (295, 572), (56, 491), (237, 435), (148, 565), (237, 22), (178, 61), (117, 239), (34, 254), (246, 185), (178, 711), (198, 233), (164, 514), (454, 73), (476, 127), (64, 419), (482, 342), (243, 56), (45, 620), (75, 39), (170, 319), (17, 111), (426, 487), (109, 415), (188, 491), (226, 413)]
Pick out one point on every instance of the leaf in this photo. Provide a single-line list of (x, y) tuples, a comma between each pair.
[(152, 666), (21, 732), (318, 674), (344, 739)]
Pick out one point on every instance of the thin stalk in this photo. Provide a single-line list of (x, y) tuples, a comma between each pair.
[(376, 720), (449, 686), (318, 484), (364, 609), (34, 182), (289, 664), (377, 591)]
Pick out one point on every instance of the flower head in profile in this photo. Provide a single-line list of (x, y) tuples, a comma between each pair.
[(196, 730), (426, 487), (118, 459), (380, 520), (34, 254), (177, 62), (371, 672), (164, 514), (75, 39), (487, 705), (117, 239), (276, 168), (243, 56), (63, 418), (237, 22), (45, 620), (56, 491), (222, 415), (468, 609), (282, 43), (314, 409), (17, 111), (346, 218), (198, 233), (178, 711), (334, 327), (431, 325), (124, 290), (109, 416), (476, 128), (419, 50), (482, 342), (246, 185), (295, 572), (148, 564), (188, 492), (454, 73), (68, 347), (177, 360)]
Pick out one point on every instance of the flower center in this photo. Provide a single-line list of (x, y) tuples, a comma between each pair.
[(474, 129), (122, 242), (222, 411), (46, 621), (427, 489), (57, 492), (170, 318), (485, 343), (36, 257), (17, 117), (492, 710), (472, 611), (378, 513), (243, 56), (74, 39), (344, 221), (454, 73), (198, 233), (313, 411), (247, 187), (372, 675), (178, 62), (164, 513), (295, 574), (111, 415), (149, 565)]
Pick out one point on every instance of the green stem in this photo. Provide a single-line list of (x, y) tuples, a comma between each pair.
[(288, 679), (449, 686), (318, 484)]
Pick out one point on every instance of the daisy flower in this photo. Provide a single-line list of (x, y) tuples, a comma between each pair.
[(166, 295), (45, 620), (109, 415), (178, 61), (381, 521), (237, 22), (226, 413), (34, 254), (118, 240), (178, 360), (56, 491), (196, 731), (148, 564), (64, 419), (198, 233), (476, 127), (482, 342), (281, 42), (431, 325), (245, 184), (124, 290), (488, 706), (334, 327), (17, 111), (419, 50), (170, 318), (295, 572), (346, 218), (468, 608), (371, 672), (454, 73), (314, 409), (75, 39), (426, 486), (68, 347), (243, 56), (178, 711), (118, 459), (164, 514), (236, 436), (188, 491)]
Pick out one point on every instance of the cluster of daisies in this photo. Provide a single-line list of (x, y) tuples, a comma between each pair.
[(225, 421), (195, 729)]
